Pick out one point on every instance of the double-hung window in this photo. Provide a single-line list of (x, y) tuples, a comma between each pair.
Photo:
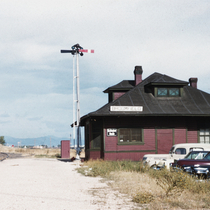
[(205, 135)]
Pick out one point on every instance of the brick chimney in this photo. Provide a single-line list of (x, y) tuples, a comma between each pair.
[(138, 74), (193, 82)]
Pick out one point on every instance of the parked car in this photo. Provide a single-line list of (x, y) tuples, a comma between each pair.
[(183, 163), (178, 151), (197, 166)]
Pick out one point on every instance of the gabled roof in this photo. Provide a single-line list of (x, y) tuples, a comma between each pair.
[(193, 102), (162, 79)]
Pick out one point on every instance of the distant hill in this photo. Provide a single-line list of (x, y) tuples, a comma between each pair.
[(45, 140)]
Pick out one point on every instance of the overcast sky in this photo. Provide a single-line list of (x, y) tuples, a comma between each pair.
[(169, 37)]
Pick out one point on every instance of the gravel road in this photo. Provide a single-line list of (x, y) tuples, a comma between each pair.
[(49, 184)]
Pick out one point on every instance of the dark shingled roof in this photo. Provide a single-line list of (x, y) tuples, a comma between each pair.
[(157, 78), (193, 102), (124, 85)]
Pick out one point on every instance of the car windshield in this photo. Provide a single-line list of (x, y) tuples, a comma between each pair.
[(196, 155), (207, 157), (171, 150)]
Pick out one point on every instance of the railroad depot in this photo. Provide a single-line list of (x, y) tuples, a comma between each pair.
[(147, 116)]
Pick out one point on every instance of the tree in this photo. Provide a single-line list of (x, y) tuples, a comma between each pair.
[(2, 141)]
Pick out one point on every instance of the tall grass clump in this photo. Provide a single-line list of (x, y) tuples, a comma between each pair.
[(171, 182), (103, 168)]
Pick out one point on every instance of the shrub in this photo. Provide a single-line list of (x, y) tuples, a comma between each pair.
[(171, 182), (2, 141), (143, 198)]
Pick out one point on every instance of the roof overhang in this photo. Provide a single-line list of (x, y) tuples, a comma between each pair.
[(117, 89), (117, 114), (166, 84)]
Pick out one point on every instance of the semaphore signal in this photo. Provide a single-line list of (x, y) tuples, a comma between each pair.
[(86, 51), (76, 50)]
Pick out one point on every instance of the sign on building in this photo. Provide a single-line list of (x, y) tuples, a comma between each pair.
[(126, 108), (111, 132)]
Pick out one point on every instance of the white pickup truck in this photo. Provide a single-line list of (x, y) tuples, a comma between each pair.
[(178, 151)]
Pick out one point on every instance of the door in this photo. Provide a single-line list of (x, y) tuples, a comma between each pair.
[(164, 140)]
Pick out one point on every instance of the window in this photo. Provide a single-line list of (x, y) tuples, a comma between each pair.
[(171, 150), (205, 136), (96, 134), (130, 135), (180, 151), (168, 92), (173, 91), (196, 155), (207, 156), (162, 91)]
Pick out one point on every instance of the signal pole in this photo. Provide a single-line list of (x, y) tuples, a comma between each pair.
[(76, 50)]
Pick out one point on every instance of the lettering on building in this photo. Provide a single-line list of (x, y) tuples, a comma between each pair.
[(126, 108)]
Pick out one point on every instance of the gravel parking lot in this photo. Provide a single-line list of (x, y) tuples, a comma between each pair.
[(30, 183)]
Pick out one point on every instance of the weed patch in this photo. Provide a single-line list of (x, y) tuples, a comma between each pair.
[(171, 183), (143, 198), (104, 168), (156, 188)]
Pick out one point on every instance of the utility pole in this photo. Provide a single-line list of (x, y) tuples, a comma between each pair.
[(76, 50)]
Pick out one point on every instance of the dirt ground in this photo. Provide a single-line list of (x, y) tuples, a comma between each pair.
[(42, 183), (32, 183)]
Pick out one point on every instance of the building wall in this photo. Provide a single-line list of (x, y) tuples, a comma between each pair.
[(164, 140), (180, 135), (95, 155), (134, 156), (159, 134), (192, 136)]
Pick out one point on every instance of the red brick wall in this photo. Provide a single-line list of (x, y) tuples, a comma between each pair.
[(134, 156), (110, 156), (149, 139), (111, 143), (95, 155)]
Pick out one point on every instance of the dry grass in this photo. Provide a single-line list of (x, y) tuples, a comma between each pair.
[(45, 152), (152, 189), (134, 183)]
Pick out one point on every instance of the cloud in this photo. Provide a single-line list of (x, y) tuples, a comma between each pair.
[(35, 118), (4, 115), (170, 37)]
